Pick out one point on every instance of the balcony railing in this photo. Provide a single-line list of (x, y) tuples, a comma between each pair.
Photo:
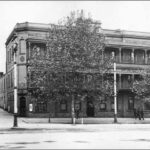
[(124, 86), (126, 60)]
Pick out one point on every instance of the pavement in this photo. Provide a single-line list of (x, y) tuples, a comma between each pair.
[(94, 133), (58, 123), (85, 120)]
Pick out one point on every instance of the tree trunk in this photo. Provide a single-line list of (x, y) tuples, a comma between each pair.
[(73, 110), (82, 117), (49, 120)]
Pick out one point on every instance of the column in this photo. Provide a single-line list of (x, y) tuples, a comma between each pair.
[(120, 55), (132, 55), (145, 56)]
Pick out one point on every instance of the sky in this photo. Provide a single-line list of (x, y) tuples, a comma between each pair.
[(124, 15)]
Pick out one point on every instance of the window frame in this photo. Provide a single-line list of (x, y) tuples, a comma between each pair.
[(37, 107), (145, 106), (130, 107), (63, 102), (104, 104), (77, 103)]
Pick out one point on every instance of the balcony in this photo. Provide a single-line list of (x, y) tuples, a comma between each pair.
[(135, 56)]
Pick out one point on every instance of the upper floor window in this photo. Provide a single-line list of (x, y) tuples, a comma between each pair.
[(8, 53), (12, 83), (139, 56), (8, 81), (38, 49), (126, 55), (22, 46), (10, 59)]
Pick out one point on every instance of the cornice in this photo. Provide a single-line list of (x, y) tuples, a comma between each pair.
[(41, 27)]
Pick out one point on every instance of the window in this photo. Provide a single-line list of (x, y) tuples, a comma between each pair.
[(12, 55), (147, 105), (77, 105), (41, 107), (8, 81), (102, 106), (11, 79), (130, 103), (63, 106), (38, 49), (89, 78), (8, 56), (112, 105), (22, 46), (126, 55)]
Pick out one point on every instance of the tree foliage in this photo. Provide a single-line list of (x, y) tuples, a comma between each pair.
[(141, 86), (73, 61)]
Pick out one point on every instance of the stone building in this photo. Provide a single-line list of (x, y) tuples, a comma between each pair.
[(132, 52)]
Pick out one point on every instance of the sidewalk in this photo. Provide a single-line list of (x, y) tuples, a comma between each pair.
[(65, 123), (85, 121)]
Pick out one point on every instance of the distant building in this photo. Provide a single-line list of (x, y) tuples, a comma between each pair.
[(132, 52)]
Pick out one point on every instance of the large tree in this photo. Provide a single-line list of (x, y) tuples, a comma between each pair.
[(141, 86), (73, 63)]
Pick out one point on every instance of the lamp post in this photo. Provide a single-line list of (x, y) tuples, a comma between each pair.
[(15, 47), (115, 91)]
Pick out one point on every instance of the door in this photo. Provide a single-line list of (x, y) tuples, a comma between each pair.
[(120, 104), (22, 107), (90, 108)]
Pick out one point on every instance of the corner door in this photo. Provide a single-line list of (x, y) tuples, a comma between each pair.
[(90, 109), (22, 107)]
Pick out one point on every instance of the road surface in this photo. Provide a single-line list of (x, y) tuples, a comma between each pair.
[(67, 136)]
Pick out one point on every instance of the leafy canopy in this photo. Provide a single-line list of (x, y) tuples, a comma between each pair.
[(73, 61)]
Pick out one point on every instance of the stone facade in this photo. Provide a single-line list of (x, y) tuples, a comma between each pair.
[(132, 52)]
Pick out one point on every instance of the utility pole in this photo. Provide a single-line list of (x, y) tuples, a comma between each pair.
[(15, 47), (115, 91)]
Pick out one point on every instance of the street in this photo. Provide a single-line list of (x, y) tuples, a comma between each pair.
[(67, 136)]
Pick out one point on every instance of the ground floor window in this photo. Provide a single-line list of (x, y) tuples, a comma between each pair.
[(102, 106), (41, 107), (63, 106), (130, 103), (77, 105), (112, 105), (147, 105)]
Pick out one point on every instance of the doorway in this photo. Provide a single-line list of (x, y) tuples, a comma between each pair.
[(125, 101), (22, 107), (90, 108)]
